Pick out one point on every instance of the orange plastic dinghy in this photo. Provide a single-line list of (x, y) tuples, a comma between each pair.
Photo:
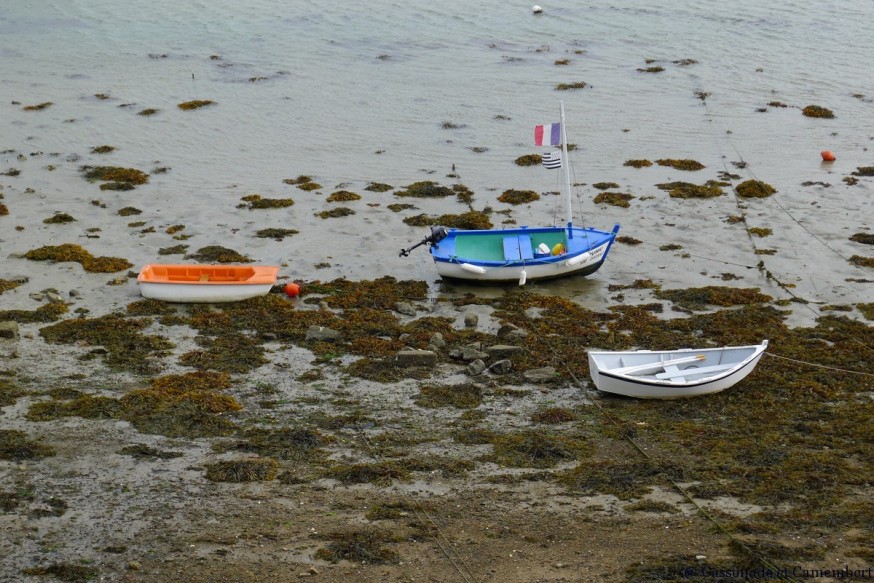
[(205, 283)]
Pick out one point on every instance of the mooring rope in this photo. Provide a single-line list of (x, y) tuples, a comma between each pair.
[(844, 370), (454, 557), (703, 511), (761, 266)]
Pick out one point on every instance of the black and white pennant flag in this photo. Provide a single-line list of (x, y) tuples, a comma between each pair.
[(551, 160)]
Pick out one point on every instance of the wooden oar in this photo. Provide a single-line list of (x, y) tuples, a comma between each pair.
[(655, 366)]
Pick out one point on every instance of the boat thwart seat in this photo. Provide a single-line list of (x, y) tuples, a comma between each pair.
[(518, 247), (673, 372)]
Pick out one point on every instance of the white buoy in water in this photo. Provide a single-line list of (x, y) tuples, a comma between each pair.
[(523, 277), (536, 9)]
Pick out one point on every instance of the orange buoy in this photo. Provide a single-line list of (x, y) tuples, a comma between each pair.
[(292, 290), (827, 155)]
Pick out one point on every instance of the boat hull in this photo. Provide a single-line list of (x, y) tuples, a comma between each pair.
[(511, 255), (712, 370), (205, 283)]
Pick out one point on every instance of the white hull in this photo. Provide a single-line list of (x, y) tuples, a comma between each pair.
[(646, 374), (533, 270), (194, 293)]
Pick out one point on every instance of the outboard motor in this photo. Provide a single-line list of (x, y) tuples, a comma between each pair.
[(437, 235)]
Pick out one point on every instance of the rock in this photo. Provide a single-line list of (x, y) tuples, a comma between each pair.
[(19, 279), (503, 350), (37, 296), (9, 330), (471, 320), (54, 298), (476, 368), (120, 280), (506, 329), (437, 340), (469, 353), (324, 306), (517, 334), (501, 367), (323, 334), (416, 358), (134, 565), (405, 308), (539, 375), (74, 293)]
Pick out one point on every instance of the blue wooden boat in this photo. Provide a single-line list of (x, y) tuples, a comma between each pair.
[(521, 253)]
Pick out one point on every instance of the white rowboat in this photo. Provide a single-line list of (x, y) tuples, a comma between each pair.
[(672, 374)]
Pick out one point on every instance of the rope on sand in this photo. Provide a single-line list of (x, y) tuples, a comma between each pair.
[(420, 512), (867, 374), (682, 490)]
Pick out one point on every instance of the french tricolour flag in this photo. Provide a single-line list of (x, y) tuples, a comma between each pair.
[(547, 135)]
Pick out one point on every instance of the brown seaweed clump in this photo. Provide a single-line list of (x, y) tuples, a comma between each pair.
[(102, 149), (378, 187), (148, 111), (605, 185), (817, 111), (864, 171), (4, 210), (637, 163), (114, 177), (761, 231), (256, 201), (553, 415), (128, 211), (340, 211), (362, 547), (425, 189), (862, 261), (8, 284), (754, 189), (619, 199), (628, 240), (75, 253), (174, 250), (218, 254), (536, 449), (303, 182), (686, 164), (182, 405), (654, 69), (195, 104), (864, 238), (59, 218), (125, 346), (469, 220), (681, 189), (253, 470), (571, 86), (700, 297), (64, 572), (529, 160), (15, 446), (513, 196), (464, 396), (343, 196), (275, 233), (38, 107)]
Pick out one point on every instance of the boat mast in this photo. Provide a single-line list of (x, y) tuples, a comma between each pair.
[(567, 174)]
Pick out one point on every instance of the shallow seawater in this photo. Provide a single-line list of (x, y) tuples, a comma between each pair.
[(394, 92)]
